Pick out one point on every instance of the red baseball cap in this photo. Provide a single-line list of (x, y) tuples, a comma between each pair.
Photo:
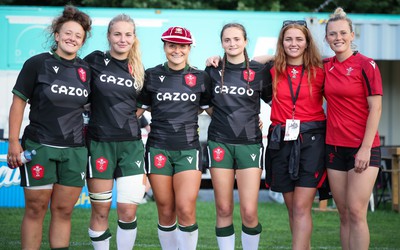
[(178, 35)]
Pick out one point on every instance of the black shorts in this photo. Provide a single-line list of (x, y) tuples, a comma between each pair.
[(312, 170), (342, 158)]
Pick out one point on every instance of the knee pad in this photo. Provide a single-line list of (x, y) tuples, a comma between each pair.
[(101, 197), (130, 189)]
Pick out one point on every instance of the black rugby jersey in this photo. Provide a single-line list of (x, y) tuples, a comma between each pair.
[(236, 104), (56, 89), (113, 99), (175, 98)]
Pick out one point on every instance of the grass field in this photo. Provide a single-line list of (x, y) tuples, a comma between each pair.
[(384, 228)]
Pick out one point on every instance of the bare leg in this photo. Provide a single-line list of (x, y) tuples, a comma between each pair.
[(36, 203), (62, 204), (223, 181), (338, 184), (302, 220), (359, 192), (248, 181), (100, 210)]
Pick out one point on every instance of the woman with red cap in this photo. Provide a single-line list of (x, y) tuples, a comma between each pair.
[(175, 92)]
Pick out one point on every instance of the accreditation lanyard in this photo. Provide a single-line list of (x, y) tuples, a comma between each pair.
[(294, 97), (292, 128)]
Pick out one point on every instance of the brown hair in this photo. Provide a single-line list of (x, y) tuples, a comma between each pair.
[(311, 57), (70, 13), (224, 59), (134, 56)]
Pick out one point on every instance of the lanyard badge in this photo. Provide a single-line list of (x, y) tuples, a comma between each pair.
[(292, 129)]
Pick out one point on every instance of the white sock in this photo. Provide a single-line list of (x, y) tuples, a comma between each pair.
[(251, 237), (126, 234), (226, 242), (187, 237), (226, 237), (100, 239), (167, 236)]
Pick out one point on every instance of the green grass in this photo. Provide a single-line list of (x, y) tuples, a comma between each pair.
[(384, 228)]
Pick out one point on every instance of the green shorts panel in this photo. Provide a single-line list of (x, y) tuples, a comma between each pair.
[(65, 166), (109, 160), (170, 162), (235, 156)]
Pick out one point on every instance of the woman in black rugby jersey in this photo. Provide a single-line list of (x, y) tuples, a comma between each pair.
[(175, 91), (56, 84), (235, 138), (115, 147)]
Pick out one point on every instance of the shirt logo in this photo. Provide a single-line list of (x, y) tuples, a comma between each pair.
[(56, 68), (373, 64), (331, 157), (160, 160), (190, 80), (106, 61), (349, 70), (138, 163), (37, 172), (249, 75), (190, 159), (162, 78), (101, 164), (218, 154), (82, 74), (294, 73), (253, 156), (331, 68)]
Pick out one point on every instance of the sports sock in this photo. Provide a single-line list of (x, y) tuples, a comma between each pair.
[(126, 234), (167, 237), (100, 239), (251, 237), (187, 237), (225, 237)]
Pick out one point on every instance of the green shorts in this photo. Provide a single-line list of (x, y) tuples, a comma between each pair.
[(109, 160), (235, 156), (170, 162), (64, 166)]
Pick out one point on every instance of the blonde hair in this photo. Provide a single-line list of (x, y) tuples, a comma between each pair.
[(134, 55), (339, 14), (311, 57)]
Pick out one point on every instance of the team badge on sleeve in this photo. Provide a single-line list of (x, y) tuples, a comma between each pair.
[(159, 160), (101, 164), (190, 80), (82, 74), (249, 75), (37, 172), (218, 154)]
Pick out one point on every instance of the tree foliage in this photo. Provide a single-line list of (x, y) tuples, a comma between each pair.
[(365, 6)]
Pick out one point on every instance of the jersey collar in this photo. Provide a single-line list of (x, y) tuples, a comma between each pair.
[(59, 58), (171, 70)]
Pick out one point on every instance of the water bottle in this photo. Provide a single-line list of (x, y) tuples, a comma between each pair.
[(27, 155)]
